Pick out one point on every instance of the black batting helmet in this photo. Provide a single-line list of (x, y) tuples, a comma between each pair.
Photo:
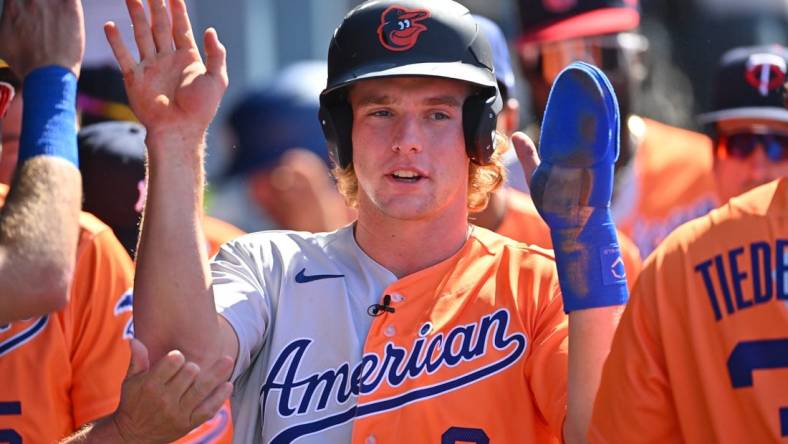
[(387, 38)]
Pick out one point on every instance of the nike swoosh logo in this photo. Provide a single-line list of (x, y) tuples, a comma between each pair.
[(302, 278)]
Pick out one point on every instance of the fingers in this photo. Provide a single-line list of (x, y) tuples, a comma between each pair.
[(181, 26), (142, 30), (526, 152), (166, 368), (139, 358), (216, 56), (208, 381), (208, 408), (184, 378), (161, 27), (122, 54)]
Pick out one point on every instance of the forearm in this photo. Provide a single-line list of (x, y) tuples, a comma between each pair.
[(590, 335), (173, 303), (39, 229)]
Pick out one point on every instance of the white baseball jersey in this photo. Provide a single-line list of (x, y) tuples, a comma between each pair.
[(478, 335)]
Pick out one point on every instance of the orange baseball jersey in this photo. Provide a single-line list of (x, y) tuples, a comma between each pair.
[(473, 349), (701, 354), (63, 370), (523, 223), (670, 183)]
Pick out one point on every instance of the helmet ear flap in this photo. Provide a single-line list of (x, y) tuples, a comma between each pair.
[(479, 121), (336, 119)]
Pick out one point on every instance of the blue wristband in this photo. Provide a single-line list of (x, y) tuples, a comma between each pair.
[(590, 266), (49, 118), (573, 185)]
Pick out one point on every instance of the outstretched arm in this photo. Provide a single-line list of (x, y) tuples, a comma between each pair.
[(39, 223), (572, 187), (591, 332), (175, 96)]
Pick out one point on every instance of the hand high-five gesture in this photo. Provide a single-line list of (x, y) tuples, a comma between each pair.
[(171, 90)]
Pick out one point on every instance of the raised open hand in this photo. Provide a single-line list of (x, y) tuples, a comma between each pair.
[(170, 90)]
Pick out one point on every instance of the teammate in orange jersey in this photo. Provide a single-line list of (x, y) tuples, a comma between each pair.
[(63, 367), (410, 324), (701, 354), (511, 212), (663, 175), (702, 350), (747, 123), (40, 225)]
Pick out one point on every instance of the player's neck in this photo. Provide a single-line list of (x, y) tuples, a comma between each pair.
[(404, 246)]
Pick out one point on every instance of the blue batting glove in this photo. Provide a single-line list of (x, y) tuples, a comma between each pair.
[(573, 185)]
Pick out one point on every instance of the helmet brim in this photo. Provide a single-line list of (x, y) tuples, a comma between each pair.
[(446, 70), (763, 113)]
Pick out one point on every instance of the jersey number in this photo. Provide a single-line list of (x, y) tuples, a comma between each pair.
[(749, 356), (10, 436), (462, 434)]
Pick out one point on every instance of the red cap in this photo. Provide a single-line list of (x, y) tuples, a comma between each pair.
[(550, 20)]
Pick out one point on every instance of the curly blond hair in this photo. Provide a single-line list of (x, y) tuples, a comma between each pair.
[(483, 180)]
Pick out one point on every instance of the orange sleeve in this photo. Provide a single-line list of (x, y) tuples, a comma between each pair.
[(548, 362), (634, 402), (101, 309)]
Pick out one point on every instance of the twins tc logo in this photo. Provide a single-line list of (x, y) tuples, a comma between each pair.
[(765, 72), (400, 28)]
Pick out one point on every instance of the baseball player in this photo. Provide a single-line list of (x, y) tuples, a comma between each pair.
[(511, 212), (63, 367), (701, 354), (40, 225), (409, 324), (664, 172)]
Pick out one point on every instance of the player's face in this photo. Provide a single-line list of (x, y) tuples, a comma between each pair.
[(408, 146), (749, 153), (12, 127)]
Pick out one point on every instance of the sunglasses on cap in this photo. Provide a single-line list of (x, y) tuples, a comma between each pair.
[(610, 52), (742, 145)]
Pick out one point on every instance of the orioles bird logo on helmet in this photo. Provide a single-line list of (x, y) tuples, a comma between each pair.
[(400, 28)]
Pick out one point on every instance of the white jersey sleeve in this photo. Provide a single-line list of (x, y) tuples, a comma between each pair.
[(244, 279)]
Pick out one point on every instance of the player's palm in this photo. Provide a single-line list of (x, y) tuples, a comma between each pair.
[(170, 89), (173, 89)]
